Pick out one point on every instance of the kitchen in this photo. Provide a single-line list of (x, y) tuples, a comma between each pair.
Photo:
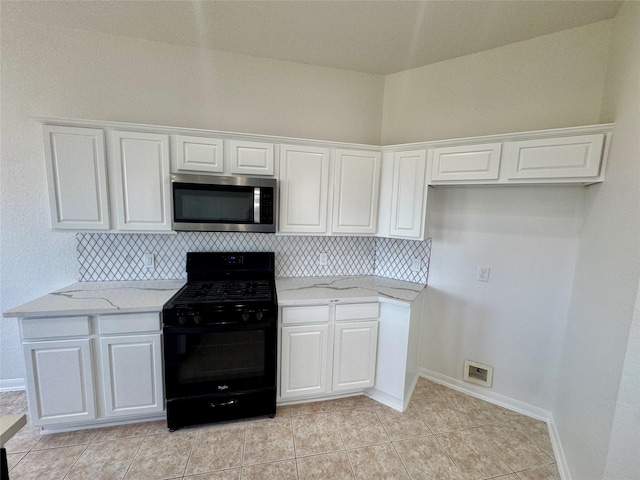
[(570, 245)]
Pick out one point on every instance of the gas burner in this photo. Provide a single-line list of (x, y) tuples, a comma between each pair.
[(226, 291)]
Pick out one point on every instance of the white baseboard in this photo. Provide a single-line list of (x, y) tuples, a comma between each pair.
[(511, 404), (385, 399), (12, 384), (561, 459)]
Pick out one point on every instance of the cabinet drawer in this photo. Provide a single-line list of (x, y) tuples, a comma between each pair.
[(357, 311), (305, 314), (36, 328), (129, 323)]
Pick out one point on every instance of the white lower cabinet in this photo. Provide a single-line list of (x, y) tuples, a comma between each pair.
[(59, 381), (101, 370), (132, 374), (305, 354), (321, 354), (354, 355), (399, 348)]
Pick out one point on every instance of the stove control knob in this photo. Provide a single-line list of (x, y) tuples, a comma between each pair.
[(245, 316), (259, 316), (182, 318)]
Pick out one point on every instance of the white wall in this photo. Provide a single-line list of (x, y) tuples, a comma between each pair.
[(547, 82), (597, 409), (515, 322), (67, 73), (528, 236)]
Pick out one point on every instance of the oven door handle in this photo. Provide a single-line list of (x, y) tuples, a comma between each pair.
[(223, 404)]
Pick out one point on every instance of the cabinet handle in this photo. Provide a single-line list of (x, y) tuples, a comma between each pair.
[(223, 404)]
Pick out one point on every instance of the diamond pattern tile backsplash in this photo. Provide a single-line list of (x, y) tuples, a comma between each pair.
[(119, 256)]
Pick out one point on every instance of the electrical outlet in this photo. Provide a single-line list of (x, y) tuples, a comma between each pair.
[(416, 265), (483, 274), (149, 261), (323, 259)]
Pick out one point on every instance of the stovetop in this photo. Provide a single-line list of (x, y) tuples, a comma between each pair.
[(225, 291), (224, 287)]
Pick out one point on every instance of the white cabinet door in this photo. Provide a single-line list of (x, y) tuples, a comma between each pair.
[(555, 158), (355, 192), (303, 369), (200, 154), (77, 178), (354, 355), (408, 206), (60, 381), (465, 163), (304, 186), (251, 158), (132, 374), (141, 177)]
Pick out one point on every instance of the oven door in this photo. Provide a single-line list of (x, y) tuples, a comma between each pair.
[(219, 359)]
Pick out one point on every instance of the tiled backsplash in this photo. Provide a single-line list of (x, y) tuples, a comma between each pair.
[(119, 256)]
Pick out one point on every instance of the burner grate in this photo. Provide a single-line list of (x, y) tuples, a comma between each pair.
[(226, 291)]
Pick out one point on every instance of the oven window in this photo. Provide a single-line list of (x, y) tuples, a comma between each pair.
[(207, 204), (211, 357)]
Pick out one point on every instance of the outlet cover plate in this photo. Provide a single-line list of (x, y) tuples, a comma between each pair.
[(483, 274), (416, 265)]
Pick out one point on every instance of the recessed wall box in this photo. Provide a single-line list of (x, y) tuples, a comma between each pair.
[(478, 373)]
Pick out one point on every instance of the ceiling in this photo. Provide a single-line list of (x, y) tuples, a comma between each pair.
[(379, 37)]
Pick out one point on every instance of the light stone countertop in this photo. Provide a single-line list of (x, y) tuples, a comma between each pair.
[(100, 298), (104, 298), (299, 290)]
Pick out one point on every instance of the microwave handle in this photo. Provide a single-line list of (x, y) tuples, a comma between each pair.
[(256, 205)]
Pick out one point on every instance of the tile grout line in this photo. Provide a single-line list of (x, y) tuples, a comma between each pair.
[(344, 444), (76, 461), (193, 446), (244, 449), (295, 452)]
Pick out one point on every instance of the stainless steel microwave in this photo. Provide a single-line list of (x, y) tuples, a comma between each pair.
[(206, 203)]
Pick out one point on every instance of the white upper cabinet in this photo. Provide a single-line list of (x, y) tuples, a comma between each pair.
[(529, 158), (199, 154), (408, 195), (355, 192), (141, 180), (77, 178), (304, 187), (575, 157), (324, 188), (304, 190), (470, 163), (251, 158)]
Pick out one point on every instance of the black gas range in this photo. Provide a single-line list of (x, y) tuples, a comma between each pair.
[(220, 339)]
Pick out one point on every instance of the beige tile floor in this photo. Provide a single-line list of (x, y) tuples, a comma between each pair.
[(443, 435)]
